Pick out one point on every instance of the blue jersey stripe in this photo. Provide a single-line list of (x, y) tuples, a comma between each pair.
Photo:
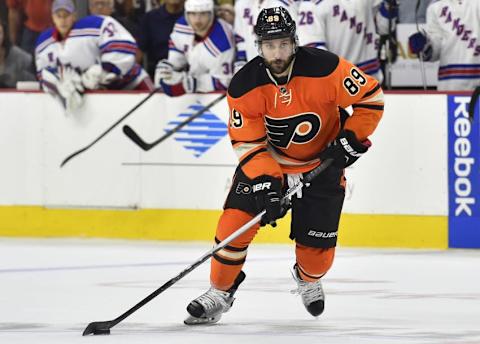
[(466, 66), (450, 77), (90, 22), (219, 37)]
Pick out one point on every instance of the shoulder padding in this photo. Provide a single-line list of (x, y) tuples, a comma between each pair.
[(313, 62), (251, 76)]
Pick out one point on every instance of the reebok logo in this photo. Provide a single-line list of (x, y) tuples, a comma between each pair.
[(463, 161)]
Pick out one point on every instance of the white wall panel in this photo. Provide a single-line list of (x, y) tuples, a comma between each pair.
[(404, 173)]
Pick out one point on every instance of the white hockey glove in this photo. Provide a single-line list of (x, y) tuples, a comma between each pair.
[(50, 80), (70, 89), (95, 77), (164, 72), (189, 83)]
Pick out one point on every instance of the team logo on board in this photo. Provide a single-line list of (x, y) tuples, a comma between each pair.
[(201, 134)]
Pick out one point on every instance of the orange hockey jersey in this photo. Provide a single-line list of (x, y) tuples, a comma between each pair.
[(277, 129)]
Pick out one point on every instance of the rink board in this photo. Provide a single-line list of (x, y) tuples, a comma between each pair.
[(156, 224), (397, 195)]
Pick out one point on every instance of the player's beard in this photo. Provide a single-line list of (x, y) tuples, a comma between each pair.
[(278, 66)]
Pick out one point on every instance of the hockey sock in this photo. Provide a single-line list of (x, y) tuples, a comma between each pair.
[(227, 263), (313, 263)]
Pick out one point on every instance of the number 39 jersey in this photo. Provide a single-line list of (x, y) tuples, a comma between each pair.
[(277, 129)]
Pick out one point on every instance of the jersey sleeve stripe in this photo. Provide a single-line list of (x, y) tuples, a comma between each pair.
[(250, 156), (372, 91), (287, 161), (368, 106), (244, 149), (119, 42), (262, 139), (376, 98)]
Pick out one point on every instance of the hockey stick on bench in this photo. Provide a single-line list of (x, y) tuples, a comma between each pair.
[(103, 327), (420, 56), (132, 135), (473, 103), (74, 154)]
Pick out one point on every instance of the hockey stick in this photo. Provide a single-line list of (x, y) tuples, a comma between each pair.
[(473, 103), (74, 154), (103, 327), (420, 55), (132, 135)]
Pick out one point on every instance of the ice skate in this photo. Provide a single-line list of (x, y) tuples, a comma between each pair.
[(209, 307), (312, 294)]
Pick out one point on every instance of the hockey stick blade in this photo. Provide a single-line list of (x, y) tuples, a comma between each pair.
[(98, 328), (103, 327), (132, 135)]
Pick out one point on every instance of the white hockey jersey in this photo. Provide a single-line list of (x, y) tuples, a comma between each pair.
[(453, 30), (246, 13), (349, 28), (209, 60), (92, 40)]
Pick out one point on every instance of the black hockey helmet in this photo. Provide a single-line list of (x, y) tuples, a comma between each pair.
[(274, 23)]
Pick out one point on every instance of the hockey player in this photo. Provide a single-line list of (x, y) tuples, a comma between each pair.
[(452, 36), (201, 52), (95, 52), (246, 13), (284, 120), (347, 28)]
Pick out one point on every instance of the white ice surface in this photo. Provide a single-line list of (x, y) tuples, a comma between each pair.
[(51, 289)]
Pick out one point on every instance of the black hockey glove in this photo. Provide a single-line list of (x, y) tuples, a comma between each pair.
[(345, 149), (267, 191)]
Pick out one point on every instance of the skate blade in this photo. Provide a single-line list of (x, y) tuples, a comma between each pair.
[(201, 321)]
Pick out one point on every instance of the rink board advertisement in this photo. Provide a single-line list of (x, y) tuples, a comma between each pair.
[(464, 174), (176, 190)]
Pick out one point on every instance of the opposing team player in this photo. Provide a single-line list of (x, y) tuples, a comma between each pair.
[(452, 36), (285, 120), (201, 52), (246, 13), (347, 28), (91, 53)]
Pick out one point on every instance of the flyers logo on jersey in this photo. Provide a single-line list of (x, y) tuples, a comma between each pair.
[(297, 129)]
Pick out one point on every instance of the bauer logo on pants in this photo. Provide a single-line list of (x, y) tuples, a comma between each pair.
[(463, 174)]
